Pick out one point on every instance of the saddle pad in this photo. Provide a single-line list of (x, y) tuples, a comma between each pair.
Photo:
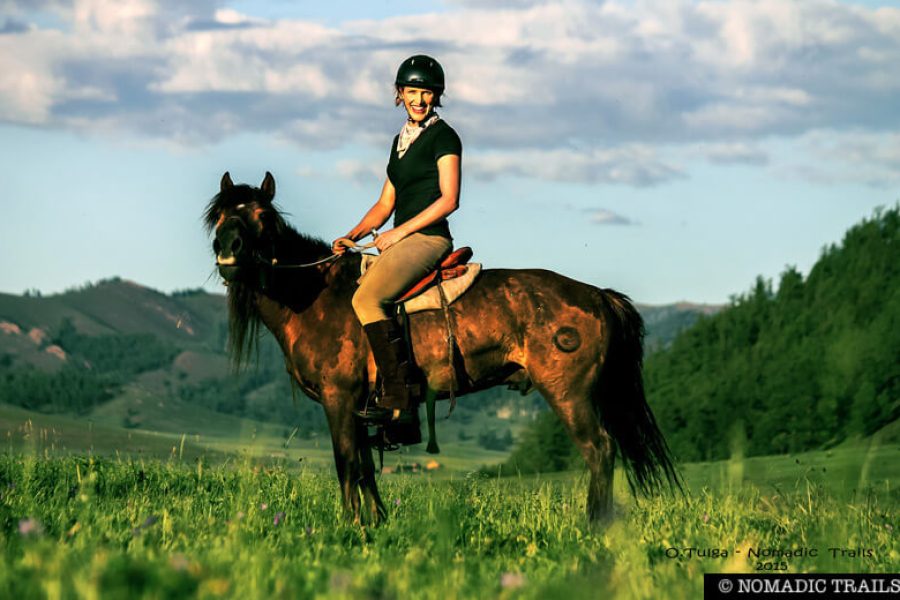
[(430, 299)]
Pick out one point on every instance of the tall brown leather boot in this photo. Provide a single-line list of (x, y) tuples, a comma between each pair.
[(401, 389)]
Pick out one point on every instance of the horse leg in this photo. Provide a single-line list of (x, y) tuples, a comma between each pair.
[(580, 419), (342, 424), (369, 486)]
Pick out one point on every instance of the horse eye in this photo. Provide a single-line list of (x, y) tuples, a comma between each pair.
[(267, 219)]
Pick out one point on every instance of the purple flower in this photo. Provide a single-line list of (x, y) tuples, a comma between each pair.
[(29, 527), (148, 522), (151, 520), (279, 518)]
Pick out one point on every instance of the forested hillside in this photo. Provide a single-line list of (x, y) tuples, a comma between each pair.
[(802, 366), (116, 341)]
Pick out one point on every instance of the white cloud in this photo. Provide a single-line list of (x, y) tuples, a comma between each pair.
[(366, 174), (734, 153), (28, 85), (622, 82), (633, 165), (869, 158), (602, 216)]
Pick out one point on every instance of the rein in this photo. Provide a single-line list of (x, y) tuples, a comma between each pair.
[(274, 264), (350, 244)]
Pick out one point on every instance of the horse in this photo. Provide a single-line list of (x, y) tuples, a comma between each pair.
[(581, 347)]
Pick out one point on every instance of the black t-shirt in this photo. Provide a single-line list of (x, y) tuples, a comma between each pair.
[(415, 176)]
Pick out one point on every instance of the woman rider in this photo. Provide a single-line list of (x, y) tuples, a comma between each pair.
[(421, 190)]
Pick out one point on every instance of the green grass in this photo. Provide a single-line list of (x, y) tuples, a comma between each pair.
[(86, 527), (171, 427)]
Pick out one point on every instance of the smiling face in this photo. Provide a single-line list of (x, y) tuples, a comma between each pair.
[(419, 103)]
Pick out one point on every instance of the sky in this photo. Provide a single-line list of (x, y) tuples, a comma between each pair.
[(673, 150)]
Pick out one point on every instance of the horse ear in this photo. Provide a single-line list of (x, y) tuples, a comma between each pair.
[(268, 185), (226, 183)]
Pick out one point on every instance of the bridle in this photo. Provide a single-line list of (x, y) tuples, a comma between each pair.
[(273, 262)]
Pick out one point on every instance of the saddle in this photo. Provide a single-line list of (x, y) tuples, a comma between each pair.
[(453, 266)]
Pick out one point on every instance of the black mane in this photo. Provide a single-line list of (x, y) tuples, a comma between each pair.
[(295, 288), (292, 242), (229, 199)]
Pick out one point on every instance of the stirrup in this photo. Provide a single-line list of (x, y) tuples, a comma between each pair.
[(380, 441), (380, 415)]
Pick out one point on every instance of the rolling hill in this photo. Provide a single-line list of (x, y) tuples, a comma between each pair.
[(131, 359)]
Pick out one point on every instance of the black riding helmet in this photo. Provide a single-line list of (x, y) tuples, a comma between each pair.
[(422, 72)]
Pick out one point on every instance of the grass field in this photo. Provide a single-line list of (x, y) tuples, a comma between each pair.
[(87, 527), (174, 429)]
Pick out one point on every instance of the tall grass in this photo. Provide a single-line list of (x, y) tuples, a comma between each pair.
[(82, 527)]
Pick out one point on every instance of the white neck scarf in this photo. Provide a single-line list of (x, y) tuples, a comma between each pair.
[(410, 133)]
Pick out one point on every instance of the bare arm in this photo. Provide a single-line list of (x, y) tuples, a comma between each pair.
[(448, 179), (374, 219)]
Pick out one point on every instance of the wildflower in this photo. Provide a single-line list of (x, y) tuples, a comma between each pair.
[(151, 520), (705, 518), (341, 581), (263, 506), (279, 517), (179, 562), (148, 522), (29, 527), (512, 581)]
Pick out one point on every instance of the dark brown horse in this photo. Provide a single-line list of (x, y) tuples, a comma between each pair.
[(579, 346)]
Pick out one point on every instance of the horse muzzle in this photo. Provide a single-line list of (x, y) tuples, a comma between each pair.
[(229, 269)]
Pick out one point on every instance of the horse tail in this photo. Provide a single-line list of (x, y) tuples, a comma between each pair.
[(622, 405)]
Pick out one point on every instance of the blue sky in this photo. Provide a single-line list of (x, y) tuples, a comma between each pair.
[(671, 150)]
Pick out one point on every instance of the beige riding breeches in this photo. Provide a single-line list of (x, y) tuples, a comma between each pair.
[(397, 269)]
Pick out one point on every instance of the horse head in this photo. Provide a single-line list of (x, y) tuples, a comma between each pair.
[(245, 225)]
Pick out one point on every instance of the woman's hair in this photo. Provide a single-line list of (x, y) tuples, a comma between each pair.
[(398, 97)]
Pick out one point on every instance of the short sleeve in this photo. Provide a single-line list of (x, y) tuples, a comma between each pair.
[(447, 142)]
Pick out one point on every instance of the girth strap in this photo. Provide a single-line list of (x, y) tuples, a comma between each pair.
[(430, 396), (451, 347)]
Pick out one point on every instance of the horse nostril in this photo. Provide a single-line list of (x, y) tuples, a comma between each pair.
[(236, 244)]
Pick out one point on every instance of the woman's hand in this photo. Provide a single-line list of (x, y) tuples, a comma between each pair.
[(340, 245), (388, 239)]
